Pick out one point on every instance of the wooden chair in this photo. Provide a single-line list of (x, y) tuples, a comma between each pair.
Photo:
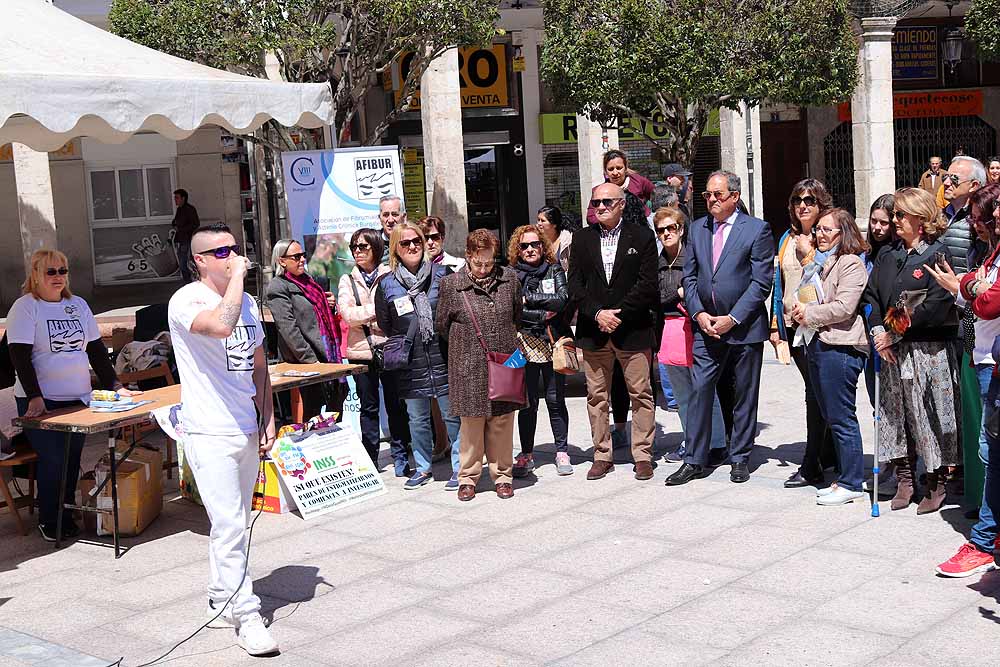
[(133, 433), (24, 455)]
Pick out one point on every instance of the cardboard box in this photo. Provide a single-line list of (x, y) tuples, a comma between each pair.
[(140, 492), (277, 500)]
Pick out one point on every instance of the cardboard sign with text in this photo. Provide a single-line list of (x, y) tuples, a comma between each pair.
[(326, 470)]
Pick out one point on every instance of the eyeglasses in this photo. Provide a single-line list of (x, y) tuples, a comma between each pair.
[(410, 243), (295, 256), (827, 230), (222, 252), (955, 179), (808, 200), (669, 229), (56, 272), (433, 237), (608, 202), (899, 215), (537, 245), (718, 194), (480, 264), (360, 247)]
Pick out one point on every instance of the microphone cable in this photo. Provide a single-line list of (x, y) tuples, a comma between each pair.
[(261, 475)]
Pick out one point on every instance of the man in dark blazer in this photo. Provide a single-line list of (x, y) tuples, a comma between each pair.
[(185, 224), (727, 279), (612, 281)]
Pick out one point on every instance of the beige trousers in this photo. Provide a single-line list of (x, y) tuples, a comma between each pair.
[(598, 365), (493, 436)]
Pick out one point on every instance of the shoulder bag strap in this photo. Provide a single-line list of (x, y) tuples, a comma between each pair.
[(357, 300), (475, 322)]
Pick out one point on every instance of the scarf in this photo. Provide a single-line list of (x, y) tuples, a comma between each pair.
[(417, 288), (369, 278), (531, 276), (487, 282), (328, 329)]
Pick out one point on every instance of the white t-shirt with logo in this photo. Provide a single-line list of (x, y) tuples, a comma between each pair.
[(217, 387), (58, 332)]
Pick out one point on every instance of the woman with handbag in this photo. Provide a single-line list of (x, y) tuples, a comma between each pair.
[(477, 314), (357, 308), (677, 337), (307, 323), (838, 349), (405, 301), (544, 296)]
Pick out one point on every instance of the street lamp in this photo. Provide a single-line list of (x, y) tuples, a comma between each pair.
[(952, 42)]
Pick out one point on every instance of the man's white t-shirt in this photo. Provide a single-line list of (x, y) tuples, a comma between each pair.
[(58, 332), (217, 387)]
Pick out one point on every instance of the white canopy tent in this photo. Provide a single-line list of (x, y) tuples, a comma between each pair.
[(63, 78)]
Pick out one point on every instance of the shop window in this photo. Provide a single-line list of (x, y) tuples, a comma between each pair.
[(130, 213)]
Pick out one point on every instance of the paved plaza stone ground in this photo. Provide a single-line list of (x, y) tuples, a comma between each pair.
[(568, 572)]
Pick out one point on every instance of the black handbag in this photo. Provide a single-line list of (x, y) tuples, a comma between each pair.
[(378, 353), (396, 349)]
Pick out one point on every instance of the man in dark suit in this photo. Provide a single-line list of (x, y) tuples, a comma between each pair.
[(727, 279), (185, 224), (612, 280)]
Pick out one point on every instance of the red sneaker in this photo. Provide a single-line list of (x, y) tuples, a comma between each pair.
[(968, 561)]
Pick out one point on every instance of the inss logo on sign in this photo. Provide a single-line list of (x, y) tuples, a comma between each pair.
[(374, 177), (302, 171)]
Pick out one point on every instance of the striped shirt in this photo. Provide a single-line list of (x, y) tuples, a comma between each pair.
[(609, 247)]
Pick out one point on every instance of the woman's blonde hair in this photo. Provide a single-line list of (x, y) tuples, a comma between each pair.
[(922, 204), (40, 261), (514, 250), (397, 235)]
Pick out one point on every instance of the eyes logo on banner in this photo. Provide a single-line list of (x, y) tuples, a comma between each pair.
[(374, 177)]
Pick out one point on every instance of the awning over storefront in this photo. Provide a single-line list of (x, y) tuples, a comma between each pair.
[(62, 78)]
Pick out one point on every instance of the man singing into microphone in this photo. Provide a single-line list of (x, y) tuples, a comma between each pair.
[(228, 418)]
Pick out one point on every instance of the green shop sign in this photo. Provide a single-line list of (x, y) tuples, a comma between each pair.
[(560, 128)]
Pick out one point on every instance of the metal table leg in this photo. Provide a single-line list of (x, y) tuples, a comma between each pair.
[(114, 491), (62, 489)]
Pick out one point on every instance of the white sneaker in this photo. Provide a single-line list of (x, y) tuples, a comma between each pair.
[(839, 496), (255, 638), (827, 491), (224, 620)]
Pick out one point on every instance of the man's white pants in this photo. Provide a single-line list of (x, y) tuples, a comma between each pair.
[(225, 468)]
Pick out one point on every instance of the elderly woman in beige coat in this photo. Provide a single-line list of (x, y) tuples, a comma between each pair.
[(838, 346), (494, 294)]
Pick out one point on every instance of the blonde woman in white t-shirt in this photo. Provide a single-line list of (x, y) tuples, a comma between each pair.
[(54, 340)]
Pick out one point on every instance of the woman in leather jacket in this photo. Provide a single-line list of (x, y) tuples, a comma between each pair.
[(546, 296)]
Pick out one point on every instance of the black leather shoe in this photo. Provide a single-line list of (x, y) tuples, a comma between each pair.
[(685, 474), (797, 481), (740, 473), (717, 457)]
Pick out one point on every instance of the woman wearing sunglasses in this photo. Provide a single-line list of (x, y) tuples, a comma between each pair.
[(357, 307), (545, 296), (433, 228), (406, 300), (797, 255), (914, 321), (308, 327), (54, 340)]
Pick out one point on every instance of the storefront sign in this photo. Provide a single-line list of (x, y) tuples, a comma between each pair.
[(326, 470), (560, 128), (414, 184), (482, 77), (936, 104), (332, 193), (915, 53)]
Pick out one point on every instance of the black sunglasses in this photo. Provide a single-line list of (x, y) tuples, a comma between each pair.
[(407, 243), (608, 202), (668, 228), (433, 237), (222, 252), (57, 272), (363, 247), (899, 215), (295, 256), (808, 200), (537, 245)]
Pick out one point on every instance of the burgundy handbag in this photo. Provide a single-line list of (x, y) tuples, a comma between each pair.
[(505, 383)]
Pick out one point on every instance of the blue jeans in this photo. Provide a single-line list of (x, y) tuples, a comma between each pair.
[(984, 533), (422, 431), (679, 378), (991, 425), (667, 386), (49, 447), (834, 371)]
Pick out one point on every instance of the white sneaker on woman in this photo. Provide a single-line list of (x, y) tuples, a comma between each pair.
[(839, 496), (255, 638)]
